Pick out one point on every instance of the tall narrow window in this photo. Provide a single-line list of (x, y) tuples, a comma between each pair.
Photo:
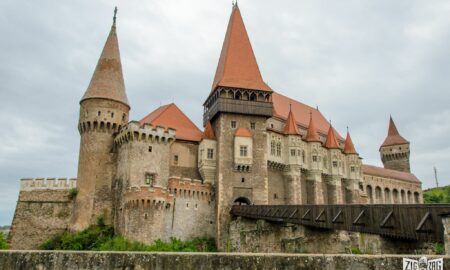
[(279, 149), (175, 160), (233, 124), (112, 114), (272, 148), (210, 153), (293, 152), (352, 169), (150, 148), (99, 113), (243, 150), (149, 179), (314, 158), (252, 125), (335, 164), (303, 156)]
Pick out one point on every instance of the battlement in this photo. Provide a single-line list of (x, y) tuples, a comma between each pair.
[(146, 196), (86, 126), (193, 188), (30, 184), (147, 132)]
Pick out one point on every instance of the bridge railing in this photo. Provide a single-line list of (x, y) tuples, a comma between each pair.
[(406, 221)]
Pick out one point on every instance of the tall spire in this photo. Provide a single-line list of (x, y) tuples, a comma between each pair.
[(393, 137), (237, 64), (107, 81), (349, 148), (312, 135), (331, 142), (291, 125)]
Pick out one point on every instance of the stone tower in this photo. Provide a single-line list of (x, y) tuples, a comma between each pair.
[(238, 107), (104, 110), (395, 151)]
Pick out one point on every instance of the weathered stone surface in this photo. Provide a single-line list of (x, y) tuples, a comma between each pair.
[(44, 260)]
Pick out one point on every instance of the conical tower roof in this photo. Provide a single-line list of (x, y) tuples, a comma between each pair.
[(331, 142), (107, 81), (312, 135), (393, 137), (237, 64), (349, 148), (291, 125), (209, 132)]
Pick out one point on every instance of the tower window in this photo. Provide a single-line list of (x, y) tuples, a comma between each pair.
[(242, 180), (275, 196), (243, 150), (293, 152), (99, 113), (252, 125), (149, 179), (112, 114), (175, 160), (123, 117), (335, 164), (150, 148), (352, 169), (314, 158), (210, 153), (233, 124)]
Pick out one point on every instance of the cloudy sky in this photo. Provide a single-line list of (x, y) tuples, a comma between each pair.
[(359, 61)]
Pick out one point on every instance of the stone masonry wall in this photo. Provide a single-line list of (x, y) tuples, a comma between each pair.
[(44, 260), (40, 213), (262, 236)]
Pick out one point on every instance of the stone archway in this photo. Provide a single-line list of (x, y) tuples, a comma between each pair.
[(242, 201)]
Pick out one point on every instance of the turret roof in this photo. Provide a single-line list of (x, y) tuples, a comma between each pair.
[(107, 81), (312, 135), (237, 65), (331, 142), (393, 137), (170, 116), (291, 125), (349, 148)]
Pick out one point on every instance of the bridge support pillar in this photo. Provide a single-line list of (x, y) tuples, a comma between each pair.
[(314, 188), (292, 176), (446, 223)]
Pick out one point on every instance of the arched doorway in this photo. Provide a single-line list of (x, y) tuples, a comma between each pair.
[(242, 201)]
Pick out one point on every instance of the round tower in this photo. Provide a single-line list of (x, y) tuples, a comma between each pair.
[(104, 110), (394, 151)]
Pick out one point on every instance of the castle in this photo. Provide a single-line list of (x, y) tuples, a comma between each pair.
[(163, 177)]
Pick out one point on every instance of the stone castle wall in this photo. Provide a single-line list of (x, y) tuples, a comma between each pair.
[(186, 164), (43, 209)]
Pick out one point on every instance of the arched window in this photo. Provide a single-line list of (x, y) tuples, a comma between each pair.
[(237, 95), (253, 97)]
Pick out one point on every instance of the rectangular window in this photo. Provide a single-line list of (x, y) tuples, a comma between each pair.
[(150, 148), (149, 178), (352, 169), (314, 158), (210, 153), (335, 164), (293, 152), (233, 124), (252, 125), (243, 151), (272, 148), (175, 160), (279, 149)]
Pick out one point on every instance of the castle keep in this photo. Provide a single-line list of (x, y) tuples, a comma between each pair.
[(163, 177)]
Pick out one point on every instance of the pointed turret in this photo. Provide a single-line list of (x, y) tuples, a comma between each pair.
[(107, 81), (331, 142), (291, 125), (393, 137), (312, 135), (349, 148), (209, 132), (237, 64)]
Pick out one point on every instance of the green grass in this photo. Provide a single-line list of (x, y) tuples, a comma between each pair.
[(437, 195), (101, 237), (3, 243)]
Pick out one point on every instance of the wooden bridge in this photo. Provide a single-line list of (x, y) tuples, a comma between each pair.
[(406, 221)]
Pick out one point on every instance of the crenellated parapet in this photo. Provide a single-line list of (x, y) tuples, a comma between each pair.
[(147, 197), (30, 184), (99, 126), (190, 188), (134, 131)]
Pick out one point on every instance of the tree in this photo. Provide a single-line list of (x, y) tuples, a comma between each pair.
[(3, 243)]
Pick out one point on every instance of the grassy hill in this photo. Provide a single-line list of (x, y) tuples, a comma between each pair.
[(437, 195)]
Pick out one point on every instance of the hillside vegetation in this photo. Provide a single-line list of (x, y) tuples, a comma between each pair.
[(437, 195)]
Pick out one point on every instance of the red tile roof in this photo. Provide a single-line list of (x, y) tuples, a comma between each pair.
[(382, 172), (242, 132), (170, 116), (349, 148), (312, 135), (107, 81), (237, 63), (302, 113), (331, 142), (291, 125), (209, 132), (393, 137)]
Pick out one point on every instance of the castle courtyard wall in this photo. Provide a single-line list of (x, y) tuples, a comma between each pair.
[(186, 164)]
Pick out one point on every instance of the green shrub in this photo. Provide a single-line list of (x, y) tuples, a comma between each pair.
[(437, 195), (72, 193), (439, 249), (356, 250), (3, 243)]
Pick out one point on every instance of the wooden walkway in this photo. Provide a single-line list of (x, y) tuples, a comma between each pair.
[(406, 221)]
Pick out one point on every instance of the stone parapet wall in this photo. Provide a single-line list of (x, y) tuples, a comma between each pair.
[(46, 260), (186, 187), (147, 132), (29, 184)]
